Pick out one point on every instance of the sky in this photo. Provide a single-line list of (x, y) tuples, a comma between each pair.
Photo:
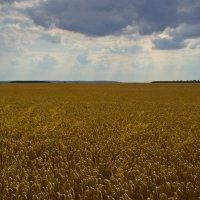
[(128, 41)]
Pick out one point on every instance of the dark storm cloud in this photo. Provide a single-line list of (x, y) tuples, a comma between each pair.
[(108, 17), (190, 11), (155, 15), (99, 18), (105, 17), (90, 17)]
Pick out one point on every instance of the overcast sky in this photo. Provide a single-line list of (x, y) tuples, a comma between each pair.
[(122, 40)]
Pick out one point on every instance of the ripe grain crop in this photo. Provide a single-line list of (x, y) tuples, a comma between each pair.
[(100, 141)]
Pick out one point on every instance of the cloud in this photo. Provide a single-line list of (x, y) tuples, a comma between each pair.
[(133, 49), (46, 63), (195, 45), (186, 31), (51, 38), (83, 59), (99, 18), (189, 11), (176, 38), (90, 17), (107, 17), (114, 17), (9, 1), (168, 44)]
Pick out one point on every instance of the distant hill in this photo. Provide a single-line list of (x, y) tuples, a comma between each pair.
[(89, 81), (54, 81), (29, 82), (189, 81)]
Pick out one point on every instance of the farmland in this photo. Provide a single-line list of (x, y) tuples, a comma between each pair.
[(100, 141)]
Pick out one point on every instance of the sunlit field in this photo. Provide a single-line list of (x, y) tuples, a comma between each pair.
[(100, 141)]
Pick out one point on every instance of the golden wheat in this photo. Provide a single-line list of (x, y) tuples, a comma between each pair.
[(100, 142)]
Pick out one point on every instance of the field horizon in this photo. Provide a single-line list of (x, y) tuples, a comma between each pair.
[(98, 81)]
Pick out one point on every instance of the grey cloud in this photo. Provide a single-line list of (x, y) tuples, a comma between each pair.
[(90, 17), (106, 17), (196, 45), (47, 62), (109, 17), (126, 50), (51, 38), (185, 31), (156, 15), (83, 59), (178, 37), (168, 44), (189, 11), (99, 18), (9, 1)]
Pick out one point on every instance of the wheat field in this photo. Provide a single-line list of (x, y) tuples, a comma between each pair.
[(100, 141)]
